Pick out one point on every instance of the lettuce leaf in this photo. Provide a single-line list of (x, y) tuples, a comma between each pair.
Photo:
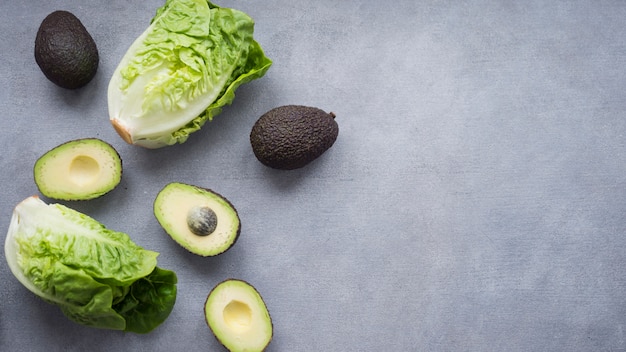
[(181, 71), (97, 276)]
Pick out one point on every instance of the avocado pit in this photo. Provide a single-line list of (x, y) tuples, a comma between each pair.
[(202, 220)]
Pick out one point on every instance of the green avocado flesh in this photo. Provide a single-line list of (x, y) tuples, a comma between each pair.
[(238, 316), (81, 169), (291, 136), (64, 50), (200, 220)]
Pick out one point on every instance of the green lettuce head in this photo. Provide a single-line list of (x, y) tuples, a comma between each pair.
[(96, 276), (181, 71)]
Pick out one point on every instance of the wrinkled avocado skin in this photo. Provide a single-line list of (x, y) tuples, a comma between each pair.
[(290, 137), (65, 51)]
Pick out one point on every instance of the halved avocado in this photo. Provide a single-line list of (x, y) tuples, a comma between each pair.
[(199, 219), (238, 316), (81, 169)]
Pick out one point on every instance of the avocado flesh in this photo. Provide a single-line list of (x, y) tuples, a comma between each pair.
[(291, 136), (172, 208), (81, 169), (238, 316), (65, 51)]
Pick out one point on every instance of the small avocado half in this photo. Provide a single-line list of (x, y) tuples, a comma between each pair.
[(199, 219), (291, 136), (238, 316), (81, 169), (65, 51)]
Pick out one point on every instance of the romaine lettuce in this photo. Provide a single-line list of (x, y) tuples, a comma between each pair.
[(181, 71), (98, 277)]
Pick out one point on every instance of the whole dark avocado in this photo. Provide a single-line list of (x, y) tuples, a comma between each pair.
[(291, 136), (64, 50)]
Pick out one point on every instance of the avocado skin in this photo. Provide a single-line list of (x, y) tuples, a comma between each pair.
[(291, 136), (65, 52)]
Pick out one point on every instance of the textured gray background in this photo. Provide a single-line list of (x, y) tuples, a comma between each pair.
[(475, 199)]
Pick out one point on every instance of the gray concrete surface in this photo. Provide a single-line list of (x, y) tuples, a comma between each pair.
[(475, 199)]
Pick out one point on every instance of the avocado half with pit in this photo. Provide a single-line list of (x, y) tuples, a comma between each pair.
[(199, 219), (238, 316), (81, 169)]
